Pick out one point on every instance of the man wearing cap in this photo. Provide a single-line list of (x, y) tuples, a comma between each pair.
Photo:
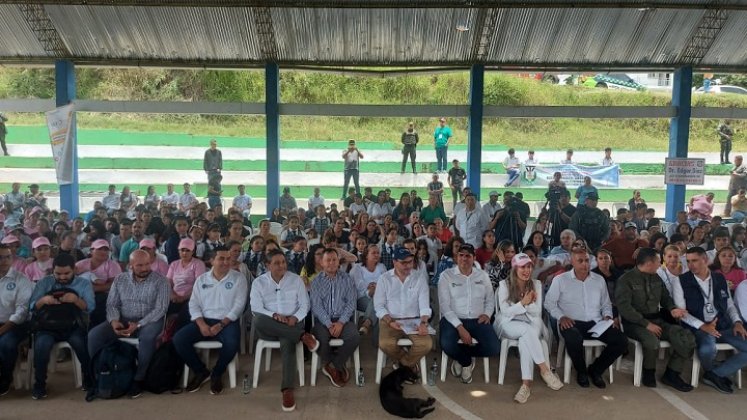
[(111, 200), (212, 162), (466, 299), (409, 144), (441, 136), (639, 294), (470, 222), (401, 297), (623, 247), (510, 221), (591, 223), (512, 166), (136, 306), (352, 157), (579, 300), (101, 271), (15, 291), (492, 206)]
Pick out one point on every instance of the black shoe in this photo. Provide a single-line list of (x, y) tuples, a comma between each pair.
[(649, 378), (39, 392), (90, 395), (716, 382), (4, 387), (583, 380), (216, 385), (197, 381), (136, 390), (672, 378), (596, 378), (727, 381)]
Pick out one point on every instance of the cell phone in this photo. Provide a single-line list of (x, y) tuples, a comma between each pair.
[(58, 295)]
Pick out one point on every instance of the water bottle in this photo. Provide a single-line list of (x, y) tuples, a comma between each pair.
[(361, 378), (433, 373), (246, 385)]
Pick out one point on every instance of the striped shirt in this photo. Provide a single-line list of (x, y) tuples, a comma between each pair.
[(333, 298), (144, 301)]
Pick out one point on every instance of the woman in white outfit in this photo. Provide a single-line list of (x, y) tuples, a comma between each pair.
[(520, 318)]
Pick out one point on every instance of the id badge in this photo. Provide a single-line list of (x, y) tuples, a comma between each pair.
[(710, 309)]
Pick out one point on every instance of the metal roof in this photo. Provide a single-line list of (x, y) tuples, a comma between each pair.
[(506, 34)]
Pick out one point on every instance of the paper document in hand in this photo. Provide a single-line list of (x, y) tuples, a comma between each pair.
[(600, 327), (410, 326)]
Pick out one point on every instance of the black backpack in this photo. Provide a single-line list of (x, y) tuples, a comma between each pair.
[(164, 370), (114, 369), (60, 319)]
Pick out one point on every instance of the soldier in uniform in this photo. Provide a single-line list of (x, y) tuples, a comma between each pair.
[(590, 223), (639, 294)]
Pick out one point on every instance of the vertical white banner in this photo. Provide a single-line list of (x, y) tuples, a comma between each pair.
[(59, 122)]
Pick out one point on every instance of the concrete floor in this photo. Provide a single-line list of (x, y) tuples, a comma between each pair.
[(618, 401)]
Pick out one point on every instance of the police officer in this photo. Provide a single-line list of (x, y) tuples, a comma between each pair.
[(590, 223), (639, 294)]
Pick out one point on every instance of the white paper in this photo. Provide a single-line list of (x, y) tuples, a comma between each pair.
[(410, 326), (600, 327)]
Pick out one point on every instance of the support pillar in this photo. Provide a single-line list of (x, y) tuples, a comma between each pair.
[(679, 136), (474, 127), (272, 116), (64, 94)]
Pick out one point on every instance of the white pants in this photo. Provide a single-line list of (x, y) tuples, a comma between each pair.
[(530, 344)]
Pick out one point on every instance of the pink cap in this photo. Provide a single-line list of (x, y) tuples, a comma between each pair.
[(40, 241), (9, 239), (35, 210), (520, 260), (100, 243), (187, 243), (148, 243)]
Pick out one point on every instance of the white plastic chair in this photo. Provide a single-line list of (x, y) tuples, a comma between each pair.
[(276, 228), (381, 361), (205, 347), (695, 379), (638, 360), (335, 342), (77, 371), (267, 345), (485, 364)]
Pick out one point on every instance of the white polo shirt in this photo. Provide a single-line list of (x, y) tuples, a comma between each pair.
[(465, 297), (218, 299), (15, 291)]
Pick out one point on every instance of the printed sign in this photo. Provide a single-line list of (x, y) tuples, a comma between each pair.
[(572, 175), (59, 123), (684, 171)]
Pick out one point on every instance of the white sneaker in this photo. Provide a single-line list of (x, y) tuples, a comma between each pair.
[(456, 369), (552, 380), (467, 373), (522, 395)]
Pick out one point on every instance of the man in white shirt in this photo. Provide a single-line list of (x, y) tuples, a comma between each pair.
[(280, 303), (568, 158), (352, 157), (465, 296), (531, 161), (607, 161), (357, 205), (15, 291), (401, 297), (579, 300), (492, 205), (188, 200), (171, 198), (111, 200), (316, 200), (712, 317), (512, 165), (379, 209), (218, 300), (471, 222), (243, 202)]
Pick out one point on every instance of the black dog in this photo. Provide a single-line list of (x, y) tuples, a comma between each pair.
[(390, 393)]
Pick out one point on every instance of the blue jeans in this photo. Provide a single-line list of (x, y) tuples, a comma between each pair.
[(441, 158), (488, 344), (706, 346), (103, 334), (9, 352), (229, 336), (43, 342), (513, 175), (351, 173), (738, 216)]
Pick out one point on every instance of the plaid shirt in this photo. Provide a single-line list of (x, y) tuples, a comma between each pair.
[(387, 255), (333, 298), (320, 225), (296, 261)]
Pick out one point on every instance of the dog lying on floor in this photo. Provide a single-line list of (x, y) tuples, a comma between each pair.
[(390, 393)]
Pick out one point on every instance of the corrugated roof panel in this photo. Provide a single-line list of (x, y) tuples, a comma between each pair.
[(16, 37), (729, 46)]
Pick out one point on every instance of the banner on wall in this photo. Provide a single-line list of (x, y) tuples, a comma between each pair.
[(572, 175), (59, 123)]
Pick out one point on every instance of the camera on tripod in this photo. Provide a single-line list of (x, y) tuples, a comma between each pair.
[(553, 196)]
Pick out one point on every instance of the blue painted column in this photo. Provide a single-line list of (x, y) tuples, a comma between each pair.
[(64, 72), (272, 116), (679, 136), (474, 127)]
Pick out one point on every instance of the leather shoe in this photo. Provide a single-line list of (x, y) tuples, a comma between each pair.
[(649, 378), (583, 380), (672, 378), (596, 379)]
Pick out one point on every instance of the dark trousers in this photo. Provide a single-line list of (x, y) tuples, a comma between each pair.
[(441, 153), (269, 329), (574, 344), (2, 143), (681, 340), (43, 342), (456, 194), (181, 310), (487, 342), (351, 173), (99, 313), (229, 336), (408, 151), (9, 352), (103, 334), (337, 356), (725, 150)]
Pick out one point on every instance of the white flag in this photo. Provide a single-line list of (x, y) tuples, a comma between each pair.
[(59, 123)]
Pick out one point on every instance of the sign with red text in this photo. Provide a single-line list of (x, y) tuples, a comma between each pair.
[(684, 171)]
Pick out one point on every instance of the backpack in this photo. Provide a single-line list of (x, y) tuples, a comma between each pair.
[(164, 370), (60, 319), (114, 369)]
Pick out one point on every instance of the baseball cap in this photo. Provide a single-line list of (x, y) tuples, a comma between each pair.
[(592, 196), (467, 248), (148, 243), (520, 260), (401, 254), (40, 241), (630, 225), (351, 142), (186, 243), (99, 243), (9, 239), (494, 194)]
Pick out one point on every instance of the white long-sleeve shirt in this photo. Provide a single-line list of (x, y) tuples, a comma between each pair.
[(288, 297), (398, 299), (586, 300), (465, 297), (678, 294), (15, 291), (362, 277), (218, 299)]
